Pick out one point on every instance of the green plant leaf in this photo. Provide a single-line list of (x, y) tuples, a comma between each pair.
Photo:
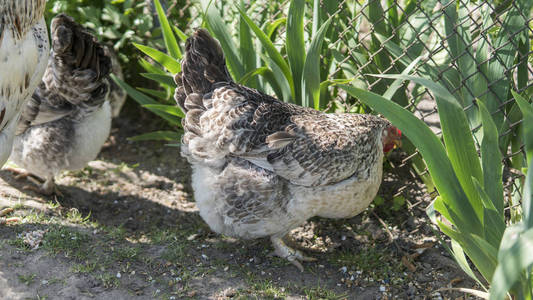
[(170, 39), (295, 45), (165, 80), (272, 52), (460, 145), (311, 72), (513, 260), (157, 136), (182, 36), (172, 65), (149, 67), (156, 93), (270, 28), (527, 199), (432, 150), (247, 51), (219, 29), (143, 100), (491, 160), (169, 109)]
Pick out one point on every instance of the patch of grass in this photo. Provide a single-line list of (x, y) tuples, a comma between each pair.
[(174, 252), (116, 233), (126, 253), (76, 217), (27, 279), (372, 261), (19, 244), (86, 267), (36, 216), (322, 293), (108, 280), (69, 242)]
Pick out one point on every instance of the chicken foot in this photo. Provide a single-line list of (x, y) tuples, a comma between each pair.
[(47, 188), (284, 251)]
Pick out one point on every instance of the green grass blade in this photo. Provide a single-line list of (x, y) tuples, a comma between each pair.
[(168, 136), (163, 79), (169, 109), (272, 52), (457, 137), (170, 39), (491, 160), (172, 65), (311, 72), (295, 46), (431, 149), (219, 29)]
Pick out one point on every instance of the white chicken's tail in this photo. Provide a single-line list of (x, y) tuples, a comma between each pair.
[(202, 67)]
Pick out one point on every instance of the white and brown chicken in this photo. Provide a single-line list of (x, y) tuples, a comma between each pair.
[(24, 50), (68, 119), (262, 167)]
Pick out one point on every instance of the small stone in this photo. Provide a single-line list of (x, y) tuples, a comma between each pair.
[(382, 288), (119, 275)]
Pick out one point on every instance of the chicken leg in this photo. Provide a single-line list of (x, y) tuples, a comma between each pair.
[(48, 188), (292, 255)]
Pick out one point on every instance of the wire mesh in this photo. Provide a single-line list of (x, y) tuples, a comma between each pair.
[(478, 50)]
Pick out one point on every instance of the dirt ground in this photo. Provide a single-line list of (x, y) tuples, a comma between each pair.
[(127, 228)]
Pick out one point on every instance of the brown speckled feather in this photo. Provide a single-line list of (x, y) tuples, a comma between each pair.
[(262, 166)]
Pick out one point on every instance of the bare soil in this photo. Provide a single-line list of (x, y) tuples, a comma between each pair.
[(127, 228)]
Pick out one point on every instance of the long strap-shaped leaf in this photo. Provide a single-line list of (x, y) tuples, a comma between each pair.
[(431, 149), (311, 73), (168, 35), (527, 201), (273, 53), (295, 44), (460, 145)]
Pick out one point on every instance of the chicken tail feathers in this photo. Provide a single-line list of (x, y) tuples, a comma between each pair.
[(202, 67), (79, 67)]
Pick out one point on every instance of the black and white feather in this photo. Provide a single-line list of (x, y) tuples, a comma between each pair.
[(68, 119), (261, 167), (24, 50)]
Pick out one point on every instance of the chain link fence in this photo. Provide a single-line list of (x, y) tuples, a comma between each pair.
[(478, 50)]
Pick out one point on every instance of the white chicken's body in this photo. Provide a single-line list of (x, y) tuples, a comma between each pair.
[(68, 117), (87, 137), (329, 201), (23, 61)]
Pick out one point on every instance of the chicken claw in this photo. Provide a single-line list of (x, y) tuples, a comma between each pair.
[(293, 256)]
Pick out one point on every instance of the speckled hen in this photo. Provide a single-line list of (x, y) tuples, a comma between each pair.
[(68, 119), (262, 167), (24, 50)]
